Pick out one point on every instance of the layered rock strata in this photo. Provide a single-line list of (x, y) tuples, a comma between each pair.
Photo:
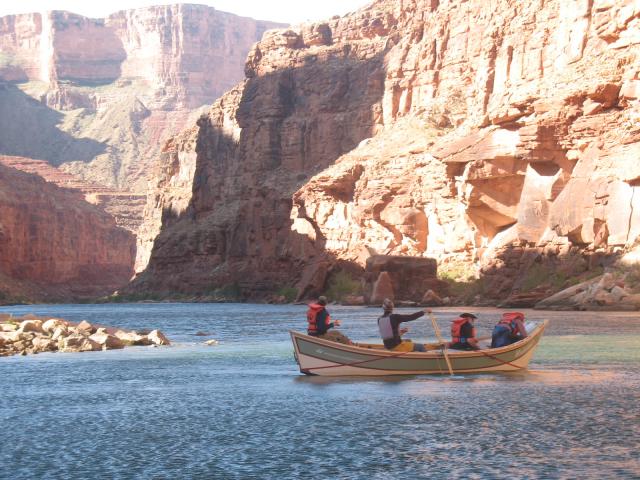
[(109, 90), (499, 140), (55, 245), (126, 208)]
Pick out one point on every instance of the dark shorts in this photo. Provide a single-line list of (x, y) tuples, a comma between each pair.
[(461, 346)]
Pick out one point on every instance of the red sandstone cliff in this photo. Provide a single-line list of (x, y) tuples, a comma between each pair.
[(496, 138), (86, 104), (54, 245)]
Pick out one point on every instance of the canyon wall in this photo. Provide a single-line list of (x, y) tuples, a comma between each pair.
[(109, 91), (496, 137), (54, 245), (86, 104)]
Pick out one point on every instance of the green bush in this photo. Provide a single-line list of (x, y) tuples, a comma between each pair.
[(538, 275), (342, 285), (289, 293), (230, 292)]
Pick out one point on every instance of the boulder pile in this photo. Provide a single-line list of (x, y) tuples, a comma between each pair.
[(30, 335), (605, 292)]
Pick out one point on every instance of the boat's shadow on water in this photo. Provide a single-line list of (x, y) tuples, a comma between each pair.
[(476, 378), (544, 376)]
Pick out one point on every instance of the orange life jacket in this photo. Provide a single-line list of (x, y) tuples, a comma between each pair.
[(509, 321), (312, 318), (456, 329)]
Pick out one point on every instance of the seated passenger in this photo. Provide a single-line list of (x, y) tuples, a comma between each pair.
[(391, 334), (319, 323), (463, 333), (509, 330)]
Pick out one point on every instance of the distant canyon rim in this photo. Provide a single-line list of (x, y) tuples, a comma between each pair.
[(501, 142)]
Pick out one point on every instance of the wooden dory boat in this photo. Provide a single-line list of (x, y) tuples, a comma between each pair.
[(322, 357)]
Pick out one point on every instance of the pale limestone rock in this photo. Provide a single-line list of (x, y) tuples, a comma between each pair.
[(106, 341), (431, 299), (157, 338), (51, 325), (61, 331), (43, 344), (617, 294), (77, 343), (85, 327), (630, 90), (31, 326), (8, 327), (382, 288), (607, 282), (10, 337), (131, 338)]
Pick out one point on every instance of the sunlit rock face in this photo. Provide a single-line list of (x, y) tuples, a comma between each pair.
[(488, 137), (55, 245)]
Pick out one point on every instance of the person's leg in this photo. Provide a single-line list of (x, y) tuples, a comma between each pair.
[(473, 344), (405, 346), (336, 336)]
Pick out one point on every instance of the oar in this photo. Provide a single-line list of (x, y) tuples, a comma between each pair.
[(436, 329)]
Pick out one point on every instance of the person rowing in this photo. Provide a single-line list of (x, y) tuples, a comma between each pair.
[(391, 333)]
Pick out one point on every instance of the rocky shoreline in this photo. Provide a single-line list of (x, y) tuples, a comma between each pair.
[(29, 334)]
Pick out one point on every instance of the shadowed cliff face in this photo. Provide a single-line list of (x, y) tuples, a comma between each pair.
[(54, 245), (97, 98), (31, 129), (494, 136), (228, 183)]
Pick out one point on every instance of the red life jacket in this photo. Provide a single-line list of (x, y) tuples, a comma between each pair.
[(312, 318), (456, 329), (509, 321)]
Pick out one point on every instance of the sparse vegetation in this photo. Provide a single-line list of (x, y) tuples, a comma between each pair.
[(457, 272), (555, 278), (229, 293), (342, 285), (289, 293), (631, 274)]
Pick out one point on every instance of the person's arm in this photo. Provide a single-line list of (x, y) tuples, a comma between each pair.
[(397, 319), (521, 328)]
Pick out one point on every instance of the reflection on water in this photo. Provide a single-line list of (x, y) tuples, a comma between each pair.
[(242, 410)]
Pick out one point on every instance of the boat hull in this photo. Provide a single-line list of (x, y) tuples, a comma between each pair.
[(321, 357)]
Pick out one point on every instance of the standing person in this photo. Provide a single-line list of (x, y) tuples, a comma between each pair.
[(390, 332), (509, 330), (319, 322), (463, 333)]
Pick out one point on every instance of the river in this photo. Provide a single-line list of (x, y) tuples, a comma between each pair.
[(242, 410)]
